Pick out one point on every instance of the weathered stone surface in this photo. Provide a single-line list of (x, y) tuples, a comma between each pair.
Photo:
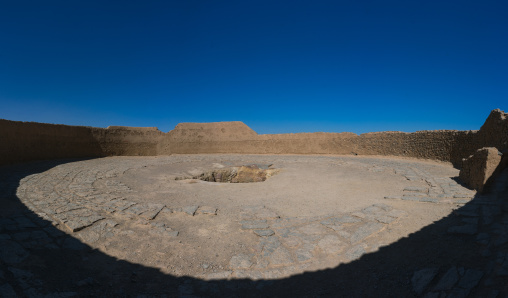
[(416, 189), (304, 253), (280, 256), (470, 279), (365, 231), (355, 252), (207, 210), (152, 211), (269, 245), (254, 224), (448, 280), (241, 261), (422, 278), (331, 244), (478, 168), (99, 231), (191, 210), (340, 220), (313, 229), (11, 252), (76, 220)]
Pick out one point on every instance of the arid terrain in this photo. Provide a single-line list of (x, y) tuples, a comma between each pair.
[(321, 225)]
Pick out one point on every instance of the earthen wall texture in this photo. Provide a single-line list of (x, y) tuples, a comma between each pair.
[(27, 141), (24, 141)]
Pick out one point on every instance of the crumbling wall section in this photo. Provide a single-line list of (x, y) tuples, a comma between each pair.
[(494, 132)]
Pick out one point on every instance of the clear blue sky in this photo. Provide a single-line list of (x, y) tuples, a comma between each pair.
[(278, 66)]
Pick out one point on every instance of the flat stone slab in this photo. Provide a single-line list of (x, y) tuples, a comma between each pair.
[(416, 189), (365, 231), (254, 224), (76, 220), (152, 211), (241, 261), (207, 210), (191, 210)]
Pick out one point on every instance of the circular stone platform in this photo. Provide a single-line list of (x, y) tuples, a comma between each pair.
[(316, 213)]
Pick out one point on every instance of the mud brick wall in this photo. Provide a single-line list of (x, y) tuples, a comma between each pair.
[(24, 141), (131, 141), (27, 141)]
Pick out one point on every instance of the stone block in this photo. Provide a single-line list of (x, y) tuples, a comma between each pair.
[(478, 168)]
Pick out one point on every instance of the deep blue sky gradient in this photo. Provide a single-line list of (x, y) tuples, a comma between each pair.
[(278, 66)]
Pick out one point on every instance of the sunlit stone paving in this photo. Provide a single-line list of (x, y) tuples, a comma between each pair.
[(316, 212)]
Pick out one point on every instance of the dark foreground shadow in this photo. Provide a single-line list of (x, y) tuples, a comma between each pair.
[(464, 254)]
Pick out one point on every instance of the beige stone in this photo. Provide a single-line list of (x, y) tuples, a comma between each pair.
[(478, 168)]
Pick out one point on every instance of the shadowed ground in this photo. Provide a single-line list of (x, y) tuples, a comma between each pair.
[(322, 226)]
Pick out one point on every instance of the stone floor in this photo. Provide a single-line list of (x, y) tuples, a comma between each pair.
[(79, 228)]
